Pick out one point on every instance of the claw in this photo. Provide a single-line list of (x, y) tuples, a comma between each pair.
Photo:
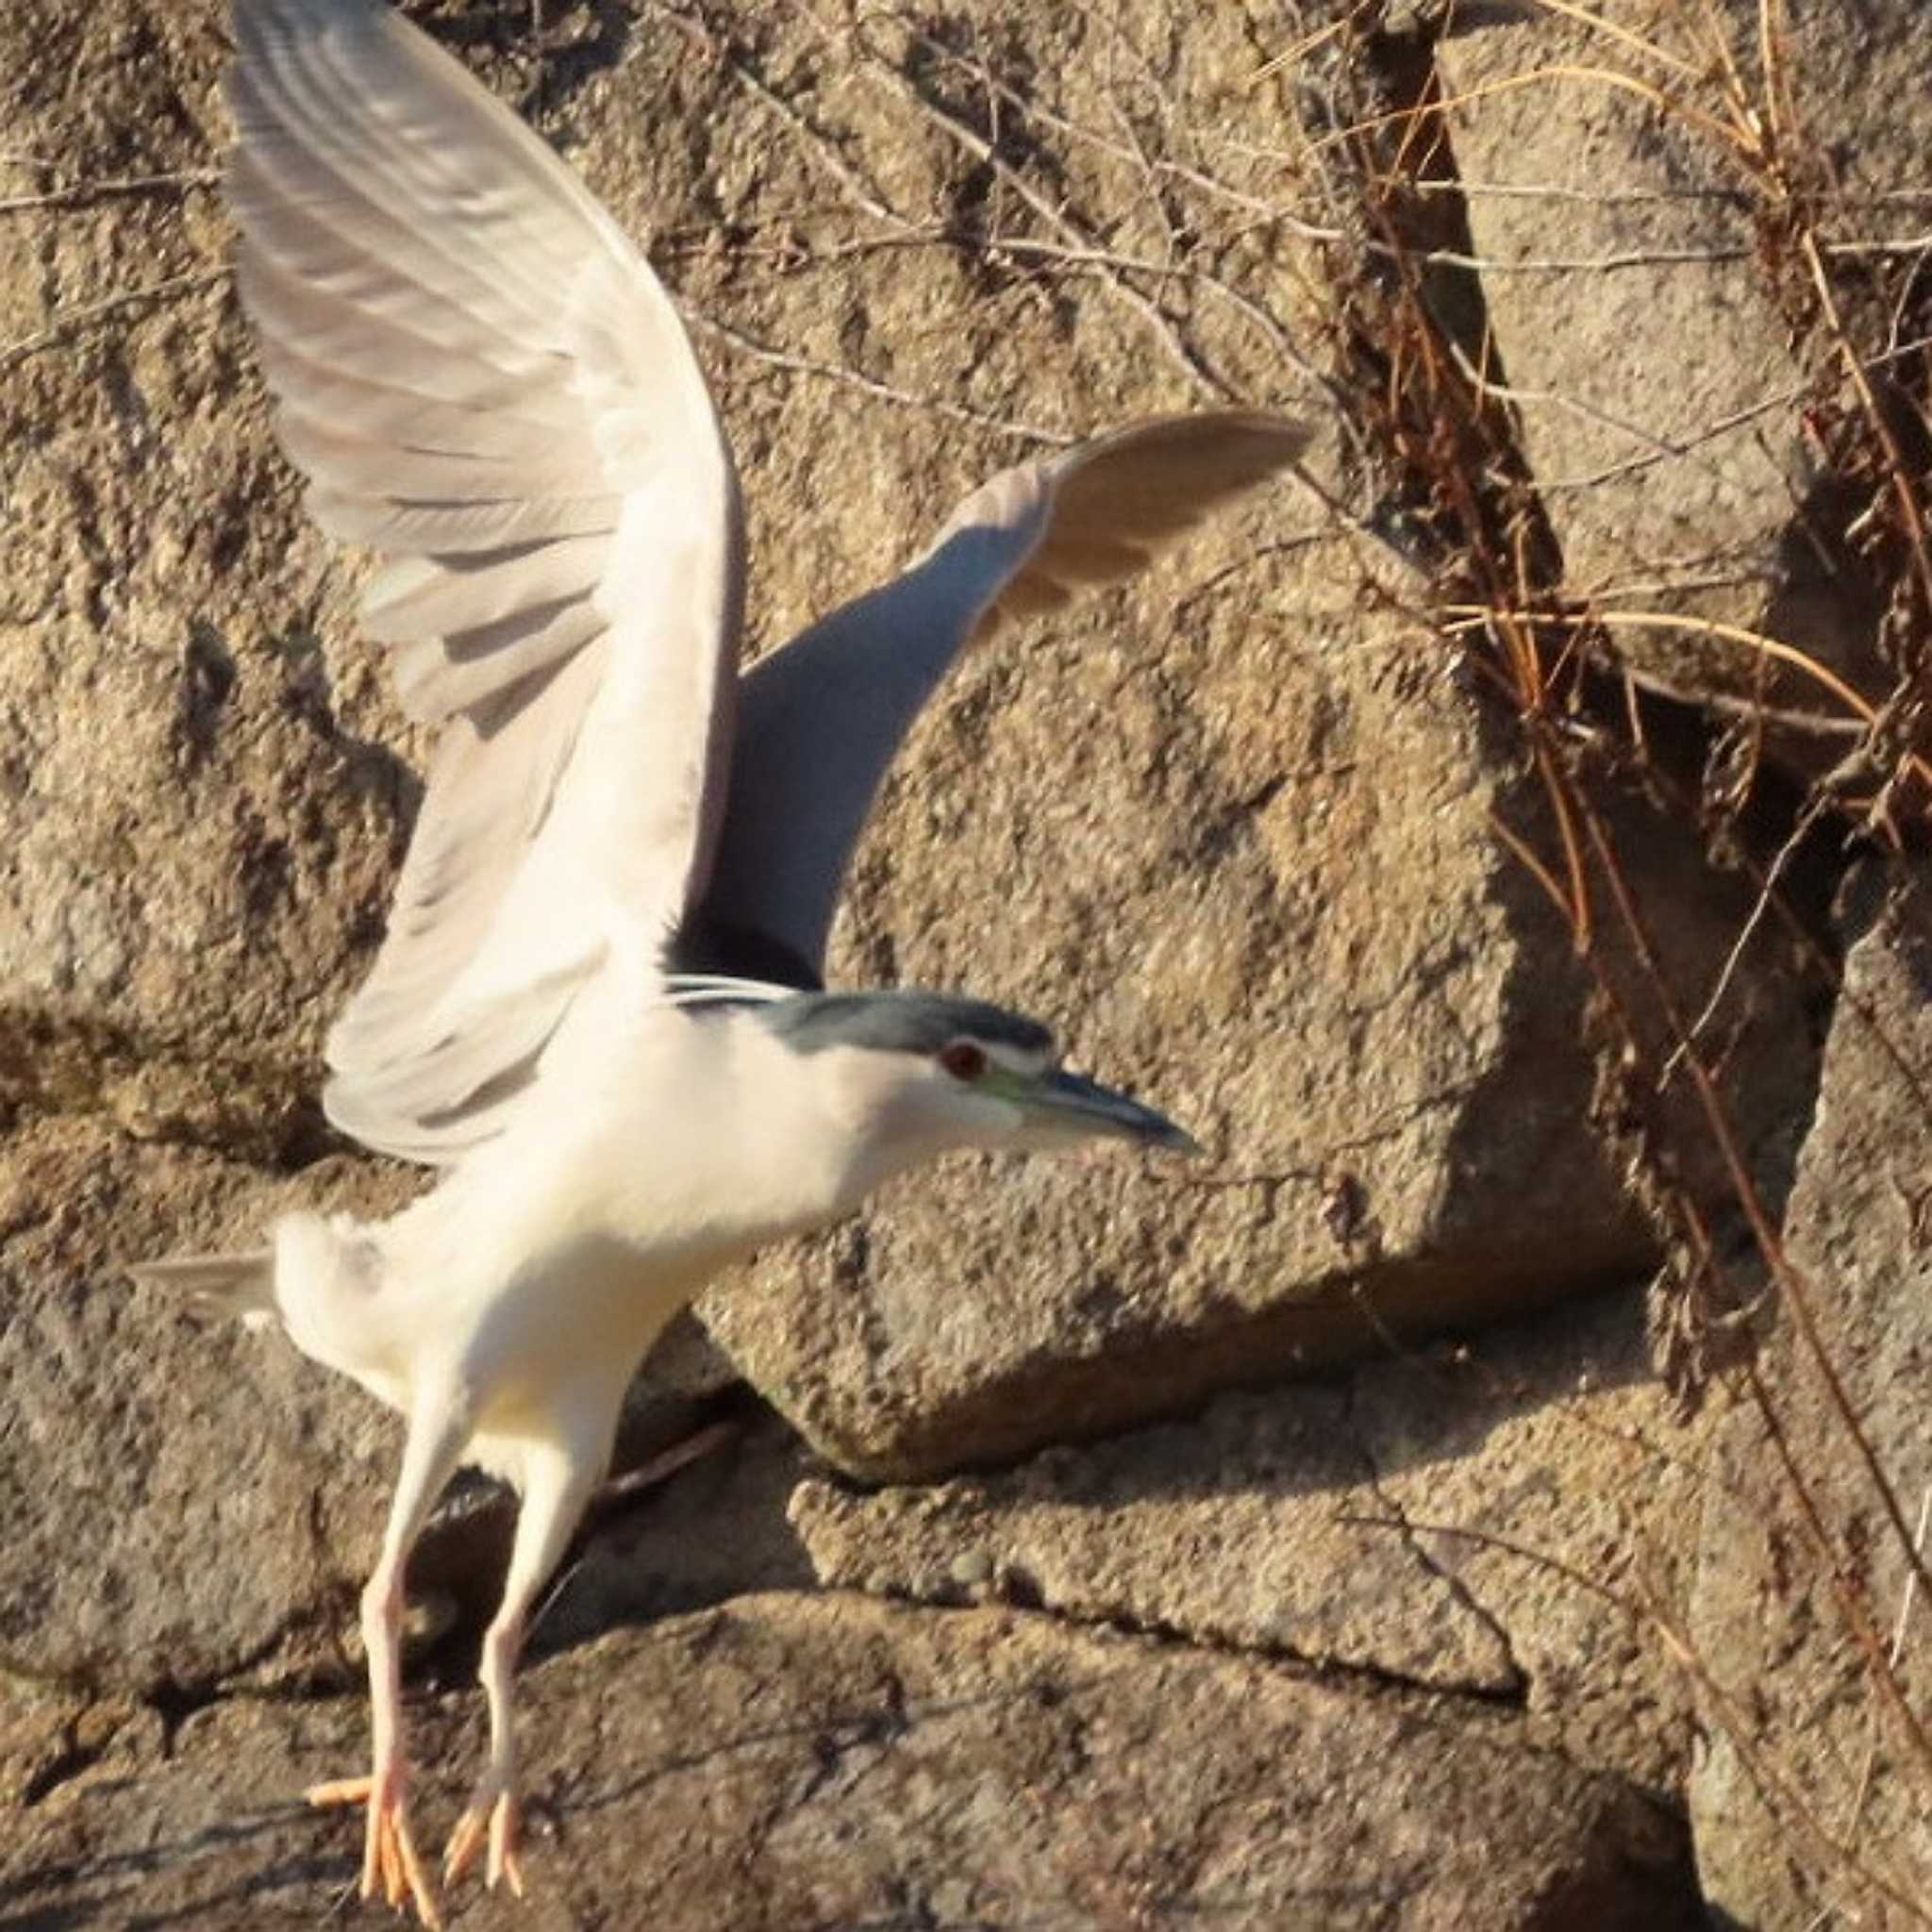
[(503, 1847), (490, 1817), (390, 1865)]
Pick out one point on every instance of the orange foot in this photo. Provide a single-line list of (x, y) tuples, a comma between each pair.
[(390, 1863), (492, 1813)]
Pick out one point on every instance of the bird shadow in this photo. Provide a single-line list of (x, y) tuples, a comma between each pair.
[(1399, 1407), (639, 1554), (371, 770)]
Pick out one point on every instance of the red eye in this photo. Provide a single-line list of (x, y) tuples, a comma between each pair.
[(963, 1060)]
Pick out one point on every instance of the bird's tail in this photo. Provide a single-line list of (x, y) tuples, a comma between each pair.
[(239, 1284)]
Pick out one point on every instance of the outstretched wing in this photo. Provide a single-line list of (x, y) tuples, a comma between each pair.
[(819, 719), (483, 381)]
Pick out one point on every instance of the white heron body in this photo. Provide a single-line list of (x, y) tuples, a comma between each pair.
[(618, 1212), (484, 382)]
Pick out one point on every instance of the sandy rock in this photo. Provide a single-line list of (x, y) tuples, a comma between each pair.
[(1546, 1478), (183, 1500), (200, 824), (1651, 312), (1462, 1518), (1350, 991), (1817, 1788), (790, 1763), (48, 1736)]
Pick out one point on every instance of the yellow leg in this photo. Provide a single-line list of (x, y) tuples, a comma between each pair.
[(558, 1476), (391, 1867)]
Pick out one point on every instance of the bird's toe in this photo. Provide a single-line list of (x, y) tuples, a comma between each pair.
[(392, 1866), (340, 1791), (404, 1882), (489, 1825), (464, 1843), (503, 1846)]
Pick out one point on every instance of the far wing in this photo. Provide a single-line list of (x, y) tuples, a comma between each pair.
[(820, 721), (483, 381)]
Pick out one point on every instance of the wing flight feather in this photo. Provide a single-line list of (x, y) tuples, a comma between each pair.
[(1023, 543), (483, 381)]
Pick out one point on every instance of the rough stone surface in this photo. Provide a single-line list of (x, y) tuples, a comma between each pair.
[(1365, 1010), (795, 1764), (1267, 892), (158, 1472), (1814, 1798), (1234, 833), (1496, 1520), (203, 793), (1612, 181)]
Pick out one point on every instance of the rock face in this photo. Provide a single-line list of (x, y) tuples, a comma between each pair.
[(202, 798), (786, 1762), (1812, 1796), (1242, 1569), (159, 1475), (1640, 175), (1233, 912), (1380, 1524), (1382, 1022)]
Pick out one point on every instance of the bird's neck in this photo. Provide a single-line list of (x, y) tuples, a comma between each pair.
[(797, 1161)]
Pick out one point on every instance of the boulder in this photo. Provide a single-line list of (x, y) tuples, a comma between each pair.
[(785, 1763), (1502, 1521), (184, 1501), (1639, 213), (1274, 896), (1816, 1679)]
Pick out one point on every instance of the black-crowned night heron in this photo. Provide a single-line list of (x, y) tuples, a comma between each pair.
[(483, 381)]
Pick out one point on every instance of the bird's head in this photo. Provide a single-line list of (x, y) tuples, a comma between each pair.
[(914, 1074)]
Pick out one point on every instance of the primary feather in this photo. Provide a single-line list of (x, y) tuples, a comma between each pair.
[(1024, 541)]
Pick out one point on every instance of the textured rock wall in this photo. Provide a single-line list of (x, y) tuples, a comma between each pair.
[(1811, 1801), (1302, 1538)]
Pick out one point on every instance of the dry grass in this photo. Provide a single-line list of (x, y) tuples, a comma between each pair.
[(1546, 651)]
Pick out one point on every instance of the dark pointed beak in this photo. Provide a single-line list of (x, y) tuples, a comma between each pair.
[(1084, 1106)]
